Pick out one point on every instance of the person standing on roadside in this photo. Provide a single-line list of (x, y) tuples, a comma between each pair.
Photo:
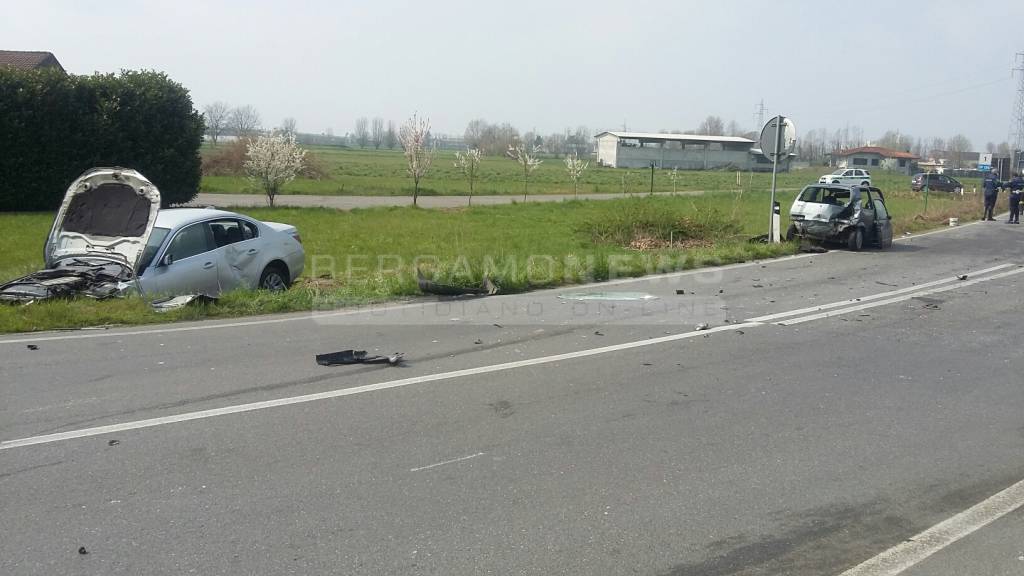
[(1016, 186), (990, 188)]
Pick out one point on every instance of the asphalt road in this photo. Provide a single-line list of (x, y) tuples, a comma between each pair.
[(538, 434)]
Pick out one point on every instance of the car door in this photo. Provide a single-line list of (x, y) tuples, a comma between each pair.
[(188, 264), (883, 221), (240, 253), (849, 176)]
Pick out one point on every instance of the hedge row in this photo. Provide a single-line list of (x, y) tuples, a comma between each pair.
[(55, 126)]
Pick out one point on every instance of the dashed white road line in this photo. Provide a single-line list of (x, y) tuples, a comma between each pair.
[(912, 551), (452, 461)]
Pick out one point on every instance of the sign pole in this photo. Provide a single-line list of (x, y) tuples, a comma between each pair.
[(775, 167)]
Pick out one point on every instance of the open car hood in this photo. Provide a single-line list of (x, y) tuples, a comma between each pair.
[(107, 213)]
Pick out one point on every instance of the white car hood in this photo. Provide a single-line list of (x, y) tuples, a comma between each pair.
[(107, 213)]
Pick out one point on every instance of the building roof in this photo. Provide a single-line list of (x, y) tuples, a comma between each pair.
[(29, 60), (678, 137), (885, 152)]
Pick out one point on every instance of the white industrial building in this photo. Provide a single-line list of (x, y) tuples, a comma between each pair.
[(682, 151)]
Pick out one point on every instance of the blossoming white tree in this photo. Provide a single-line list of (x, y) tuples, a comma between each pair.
[(469, 164), (527, 158), (413, 136), (272, 161), (575, 167)]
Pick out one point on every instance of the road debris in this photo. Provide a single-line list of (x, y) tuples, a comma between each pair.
[(702, 326), (680, 291), (113, 442), (356, 357), (82, 550), (32, 347), (478, 341), (426, 286), (740, 332), (175, 302), (961, 277), (885, 283), (598, 333)]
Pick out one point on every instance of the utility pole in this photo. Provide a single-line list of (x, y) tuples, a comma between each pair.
[(1017, 125), (759, 116)]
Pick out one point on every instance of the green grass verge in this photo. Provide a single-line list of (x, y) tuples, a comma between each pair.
[(371, 254)]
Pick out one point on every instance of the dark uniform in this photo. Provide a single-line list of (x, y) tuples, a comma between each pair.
[(990, 186), (1016, 185)]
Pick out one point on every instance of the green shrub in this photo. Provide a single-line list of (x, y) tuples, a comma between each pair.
[(55, 126)]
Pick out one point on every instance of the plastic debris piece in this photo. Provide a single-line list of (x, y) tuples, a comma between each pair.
[(82, 550), (961, 277), (426, 286), (680, 291), (32, 347), (356, 357), (598, 333), (175, 302), (702, 326), (113, 442)]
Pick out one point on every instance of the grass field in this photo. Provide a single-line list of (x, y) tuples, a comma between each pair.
[(382, 173), (520, 246)]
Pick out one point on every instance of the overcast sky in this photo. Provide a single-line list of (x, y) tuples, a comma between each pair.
[(930, 68)]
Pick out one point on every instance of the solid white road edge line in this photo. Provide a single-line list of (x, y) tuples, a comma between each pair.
[(299, 316), (906, 554), (85, 432), (447, 462), (854, 301), (917, 294)]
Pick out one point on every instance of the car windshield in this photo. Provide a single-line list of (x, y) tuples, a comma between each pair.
[(819, 195), (839, 172), (156, 238)]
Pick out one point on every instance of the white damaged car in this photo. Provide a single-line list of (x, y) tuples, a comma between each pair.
[(853, 215), (111, 236)]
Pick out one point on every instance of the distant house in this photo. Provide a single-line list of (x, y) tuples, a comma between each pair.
[(682, 151), (29, 60), (876, 157)]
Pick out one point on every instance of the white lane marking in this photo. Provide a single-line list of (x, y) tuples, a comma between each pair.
[(109, 429), (854, 301), (447, 462), (902, 298), (307, 316), (906, 554)]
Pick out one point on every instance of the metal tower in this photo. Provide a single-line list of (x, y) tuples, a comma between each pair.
[(1017, 121)]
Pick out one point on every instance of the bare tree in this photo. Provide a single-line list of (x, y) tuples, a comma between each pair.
[(413, 135), (272, 161), (711, 126), (1003, 149), (377, 133), (391, 136), (958, 145), (362, 131), (288, 126), (555, 144), (734, 129), (582, 142), (575, 167), (897, 141), (245, 121), (469, 164), (216, 117), (527, 159), (474, 133)]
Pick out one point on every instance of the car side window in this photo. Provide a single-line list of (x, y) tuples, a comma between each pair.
[(226, 231), (880, 212), (249, 230), (189, 241)]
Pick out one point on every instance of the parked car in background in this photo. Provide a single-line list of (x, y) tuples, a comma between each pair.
[(847, 176), (110, 237), (854, 215), (935, 183)]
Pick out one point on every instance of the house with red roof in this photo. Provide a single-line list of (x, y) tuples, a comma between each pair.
[(29, 60), (878, 158)]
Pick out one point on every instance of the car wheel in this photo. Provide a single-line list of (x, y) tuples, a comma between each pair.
[(865, 183), (274, 278), (791, 232), (855, 240)]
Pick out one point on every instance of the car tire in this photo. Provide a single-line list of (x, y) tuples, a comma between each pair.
[(273, 278), (791, 233), (865, 183), (855, 240)]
